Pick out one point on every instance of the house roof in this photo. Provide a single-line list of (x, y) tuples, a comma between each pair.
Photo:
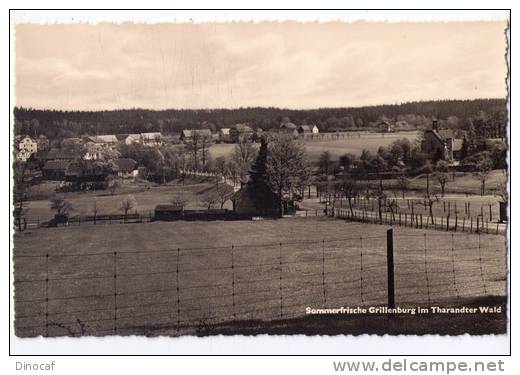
[(168, 207), (125, 164), (436, 134), (305, 128), (457, 144), (445, 133), (190, 132), (225, 131), (288, 125), (242, 128), (56, 165), (56, 154), (151, 136), (103, 138)]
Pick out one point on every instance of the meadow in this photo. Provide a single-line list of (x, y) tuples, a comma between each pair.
[(148, 196), (187, 277), (353, 143)]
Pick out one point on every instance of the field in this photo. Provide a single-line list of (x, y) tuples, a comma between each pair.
[(337, 147), (147, 195), (193, 277)]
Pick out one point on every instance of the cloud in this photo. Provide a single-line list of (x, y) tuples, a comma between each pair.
[(105, 66)]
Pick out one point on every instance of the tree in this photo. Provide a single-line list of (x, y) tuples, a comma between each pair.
[(350, 189), (112, 183), (484, 166), (61, 205), (20, 192), (287, 168), (441, 175), (243, 156), (395, 153), (209, 199), (324, 163), (205, 143), (503, 193), (427, 169), (430, 198), (403, 182), (193, 147), (128, 204), (95, 209), (179, 201), (220, 166), (223, 192), (258, 178), (346, 161)]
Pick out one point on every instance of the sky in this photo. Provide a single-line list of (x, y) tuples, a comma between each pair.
[(82, 66)]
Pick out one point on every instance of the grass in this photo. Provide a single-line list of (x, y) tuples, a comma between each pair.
[(146, 264), (147, 195), (336, 147)]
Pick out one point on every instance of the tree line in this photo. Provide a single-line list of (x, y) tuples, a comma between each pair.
[(62, 124)]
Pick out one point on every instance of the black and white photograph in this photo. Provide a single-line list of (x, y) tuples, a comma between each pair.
[(271, 177)]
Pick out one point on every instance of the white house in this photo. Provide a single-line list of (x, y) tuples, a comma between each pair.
[(25, 146), (151, 139)]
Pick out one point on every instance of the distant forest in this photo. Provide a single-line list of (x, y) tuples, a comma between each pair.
[(63, 124)]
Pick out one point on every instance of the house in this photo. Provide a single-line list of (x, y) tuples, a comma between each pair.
[(440, 144), (386, 127), (457, 148), (24, 147), (304, 129), (89, 175), (57, 154), (43, 143), (168, 212), (240, 132), (307, 129), (55, 169), (288, 127), (246, 202), (129, 139), (151, 139), (126, 168), (103, 140), (224, 136), (188, 134)]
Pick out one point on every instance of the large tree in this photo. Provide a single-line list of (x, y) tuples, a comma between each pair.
[(243, 157), (20, 192), (288, 170), (441, 175)]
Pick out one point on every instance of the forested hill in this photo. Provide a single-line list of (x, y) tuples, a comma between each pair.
[(74, 123)]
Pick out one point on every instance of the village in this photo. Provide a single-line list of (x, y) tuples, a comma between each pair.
[(226, 178), (123, 163)]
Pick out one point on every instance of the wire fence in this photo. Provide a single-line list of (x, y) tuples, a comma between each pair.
[(449, 223), (177, 291)]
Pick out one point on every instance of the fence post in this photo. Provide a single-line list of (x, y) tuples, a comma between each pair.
[(233, 279), (390, 267), (281, 290), (115, 291), (46, 295), (448, 223), (323, 273), (178, 288), (361, 269)]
